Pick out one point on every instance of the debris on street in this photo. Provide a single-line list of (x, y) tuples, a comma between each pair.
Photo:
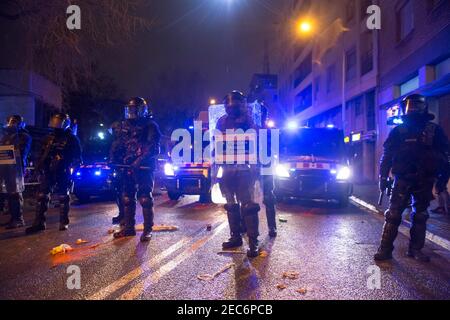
[(281, 286), (63, 248), (208, 277), (302, 290), (292, 275), (81, 241), (231, 252), (159, 228)]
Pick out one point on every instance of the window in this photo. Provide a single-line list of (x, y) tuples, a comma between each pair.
[(316, 88), (405, 20), (366, 53), (303, 70), (408, 86), (303, 99), (370, 106), (350, 65), (331, 77)]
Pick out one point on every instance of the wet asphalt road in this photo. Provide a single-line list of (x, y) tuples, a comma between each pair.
[(331, 249)]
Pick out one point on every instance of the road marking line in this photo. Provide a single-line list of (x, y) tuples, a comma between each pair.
[(138, 289), (134, 274), (404, 228)]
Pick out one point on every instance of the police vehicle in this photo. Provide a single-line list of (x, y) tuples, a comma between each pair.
[(189, 178), (94, 178), (313, 165)]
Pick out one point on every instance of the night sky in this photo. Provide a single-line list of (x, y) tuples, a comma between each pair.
[(221, 39)]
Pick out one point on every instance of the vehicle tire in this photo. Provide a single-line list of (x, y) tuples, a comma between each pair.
[(205, 198), (343, 201), (83, 198), (173, 195)]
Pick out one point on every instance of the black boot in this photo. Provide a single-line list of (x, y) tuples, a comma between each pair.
[(118, 219), (15, 201), (417, 233), (41, 210), (390, 232), (250, 212), (271, 221), (64, 208), (130, 212), (234, 220), (148, 214)]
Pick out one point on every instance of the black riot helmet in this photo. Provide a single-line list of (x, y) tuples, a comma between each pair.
[(136, 108), (414, 104), (235, 104), (59, 120), (15, 122)]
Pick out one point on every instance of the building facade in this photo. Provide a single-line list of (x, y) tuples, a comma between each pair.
[(29, 95), (349, 76)]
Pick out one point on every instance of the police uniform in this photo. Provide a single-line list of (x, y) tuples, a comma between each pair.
[(61, 151), (238, 180), (413, 154), (16, 135), (116, 152), (141, 146)]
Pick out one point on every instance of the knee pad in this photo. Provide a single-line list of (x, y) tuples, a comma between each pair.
[(232, 207), (64, 198), (43, 197), (127, 200), (146, 202), (250, 208), (393, 216), (419, 217)]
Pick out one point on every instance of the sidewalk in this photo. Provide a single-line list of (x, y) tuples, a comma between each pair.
[(438, 226)]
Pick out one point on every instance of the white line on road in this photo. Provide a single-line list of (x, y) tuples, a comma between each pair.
[(143, 285), (404, 229)]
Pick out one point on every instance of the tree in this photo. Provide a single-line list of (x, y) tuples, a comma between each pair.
[(66, 56)]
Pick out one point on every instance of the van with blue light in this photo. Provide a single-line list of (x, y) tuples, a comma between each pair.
[(191, 178), (313, 165)]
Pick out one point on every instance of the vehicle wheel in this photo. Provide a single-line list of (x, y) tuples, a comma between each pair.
[(82, 198), (205, 198), (343, 202), (173, 195)]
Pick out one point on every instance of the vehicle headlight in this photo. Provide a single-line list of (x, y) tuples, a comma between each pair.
[(220, 173), (282, 172), (343, 173), (169, 170)]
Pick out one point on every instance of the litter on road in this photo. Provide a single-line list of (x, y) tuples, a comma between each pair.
[(208, 277), (63, 248), (292, 275)]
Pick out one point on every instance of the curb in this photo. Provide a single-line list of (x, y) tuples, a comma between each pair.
[(404, 228)]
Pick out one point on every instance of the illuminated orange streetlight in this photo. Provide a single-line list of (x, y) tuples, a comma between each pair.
[(304, 27)]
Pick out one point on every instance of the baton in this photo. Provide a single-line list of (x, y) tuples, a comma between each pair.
[(380, 198), (128, 166)]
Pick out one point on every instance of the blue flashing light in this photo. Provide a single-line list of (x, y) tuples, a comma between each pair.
[(78, 174), (398, 121), (292, 125), (98, 173), (330, 126), (101, 135)]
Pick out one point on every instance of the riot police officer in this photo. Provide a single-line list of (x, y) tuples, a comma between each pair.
[(116, 151), (413, 154), (267, 183), (141, 146), (238, 180), (15, 134), (61, 152)]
